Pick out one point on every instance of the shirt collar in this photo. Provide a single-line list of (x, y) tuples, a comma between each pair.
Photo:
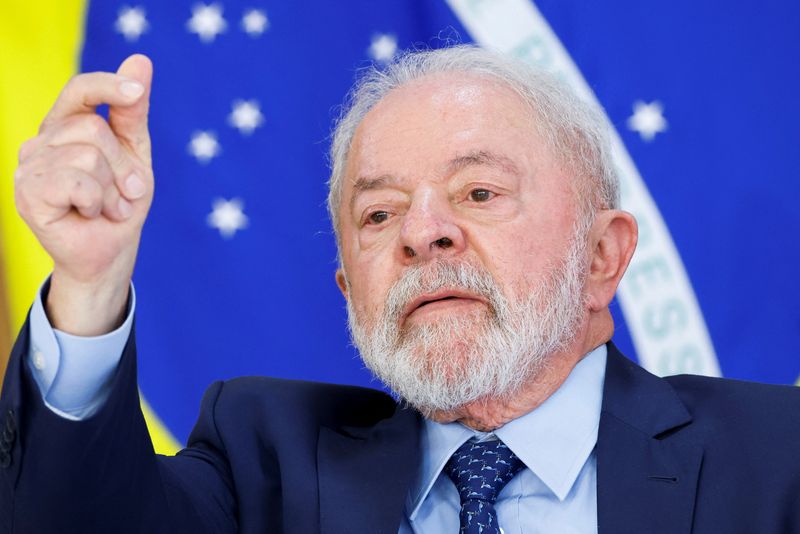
[(554, 440)]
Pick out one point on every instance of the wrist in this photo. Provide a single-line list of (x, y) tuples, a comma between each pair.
[(84, 308)]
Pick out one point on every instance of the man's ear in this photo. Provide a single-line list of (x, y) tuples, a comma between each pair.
[(341, 281), (612, 239)]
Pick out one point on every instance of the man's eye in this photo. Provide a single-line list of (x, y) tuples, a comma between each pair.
[(377, 217), (480, 195)]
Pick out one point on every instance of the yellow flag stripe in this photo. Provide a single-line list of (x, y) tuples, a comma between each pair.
[(40, 44), (163, 441), (5, 322)]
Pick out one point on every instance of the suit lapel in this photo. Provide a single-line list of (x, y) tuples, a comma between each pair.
[(646, 471), (364, 474)]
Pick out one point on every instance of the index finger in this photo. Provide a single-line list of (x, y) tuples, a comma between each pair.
[(84, 92)]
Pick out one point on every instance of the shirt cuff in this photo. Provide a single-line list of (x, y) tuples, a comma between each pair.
[(74, 373)]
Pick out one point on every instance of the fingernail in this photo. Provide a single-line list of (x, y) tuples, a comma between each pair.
[(134, 187), (125, 208), (131, 89)]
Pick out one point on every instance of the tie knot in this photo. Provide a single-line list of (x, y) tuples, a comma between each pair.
[(481, 470)]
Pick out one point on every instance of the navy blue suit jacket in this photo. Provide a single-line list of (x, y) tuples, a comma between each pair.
[(676, 455)]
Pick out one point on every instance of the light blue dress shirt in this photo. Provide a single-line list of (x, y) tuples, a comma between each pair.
[(74, 373), (556, 493)]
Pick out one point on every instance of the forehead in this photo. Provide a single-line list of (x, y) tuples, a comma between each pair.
[(429, 121)]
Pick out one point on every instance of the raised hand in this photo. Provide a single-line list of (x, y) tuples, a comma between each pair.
[(84, 186)]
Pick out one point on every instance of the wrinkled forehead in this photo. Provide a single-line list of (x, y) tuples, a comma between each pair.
[(447, 95), (432, 118)]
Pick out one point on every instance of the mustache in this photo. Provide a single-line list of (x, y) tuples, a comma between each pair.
[(427, 278)]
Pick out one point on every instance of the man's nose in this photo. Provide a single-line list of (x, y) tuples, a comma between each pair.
[(430, 230)]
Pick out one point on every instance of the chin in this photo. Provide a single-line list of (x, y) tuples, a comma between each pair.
[(446, 379)]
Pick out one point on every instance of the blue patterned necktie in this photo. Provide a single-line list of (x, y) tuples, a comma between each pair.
[(480, 471)]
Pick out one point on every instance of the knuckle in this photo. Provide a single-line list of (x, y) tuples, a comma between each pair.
[(19, 177), (89, 158), (23, 173), (94, 125), (19, 174), (73, 123), (71, 89), (26, 148), (73, 82), (49, 124), (84, 190), (89, 204), (81, 194), (67, 155), (22, 203), (26, 193)]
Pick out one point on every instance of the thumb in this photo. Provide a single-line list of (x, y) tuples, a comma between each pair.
[(129, 122)]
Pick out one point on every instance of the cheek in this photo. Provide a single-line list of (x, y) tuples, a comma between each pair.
[(371, 265), (369, 283), (377, 244), (520, 256)]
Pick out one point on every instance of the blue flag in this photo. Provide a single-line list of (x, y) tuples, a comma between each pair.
[(235, 272)]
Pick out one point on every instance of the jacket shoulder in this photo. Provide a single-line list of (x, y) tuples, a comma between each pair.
[(711, 392), (749, 410)]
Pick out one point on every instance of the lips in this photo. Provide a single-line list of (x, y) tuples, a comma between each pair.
[(439, 296)]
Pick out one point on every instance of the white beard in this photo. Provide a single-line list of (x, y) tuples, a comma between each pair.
[(483, 355)]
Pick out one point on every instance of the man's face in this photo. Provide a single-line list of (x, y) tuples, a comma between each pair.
[(455, 211)]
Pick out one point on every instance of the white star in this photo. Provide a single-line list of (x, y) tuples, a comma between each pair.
[(254, 22), (383, 47), (131, 22), (204, 146), (227, 217), (647, 119), (246, 116), (207, 21)]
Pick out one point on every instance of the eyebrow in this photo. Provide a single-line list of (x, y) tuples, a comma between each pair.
[(482, 157), (470, 159), (366, 183)]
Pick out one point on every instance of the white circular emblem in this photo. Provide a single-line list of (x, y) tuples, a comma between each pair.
[(657, 299)]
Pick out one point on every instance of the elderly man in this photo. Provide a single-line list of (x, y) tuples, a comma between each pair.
[(475, 208)]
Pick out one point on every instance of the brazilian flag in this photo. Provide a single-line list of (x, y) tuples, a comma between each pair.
[(235, 273)]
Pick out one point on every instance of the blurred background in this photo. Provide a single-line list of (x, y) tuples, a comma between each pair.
[(235, 273)]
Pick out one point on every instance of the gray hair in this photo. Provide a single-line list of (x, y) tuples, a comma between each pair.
[(573, 129)]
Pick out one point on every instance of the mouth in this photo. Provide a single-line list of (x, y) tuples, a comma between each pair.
[(441, 300)]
